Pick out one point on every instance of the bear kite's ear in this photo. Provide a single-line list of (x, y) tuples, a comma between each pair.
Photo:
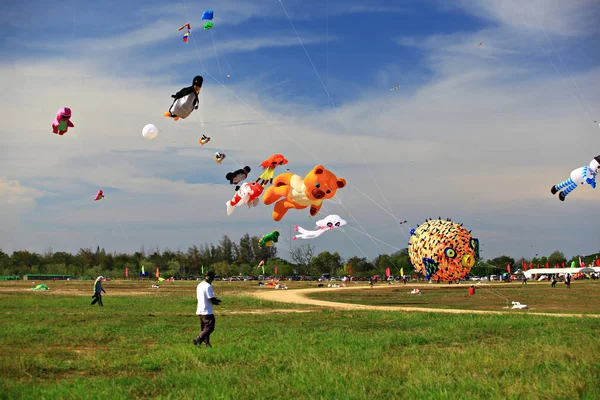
[(341, 182), (319, 169), (247, 169), (229, 176)]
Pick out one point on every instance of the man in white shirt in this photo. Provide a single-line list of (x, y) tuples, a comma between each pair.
[(206, 299)]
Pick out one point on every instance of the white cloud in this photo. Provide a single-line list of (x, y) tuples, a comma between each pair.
[(563, 18)]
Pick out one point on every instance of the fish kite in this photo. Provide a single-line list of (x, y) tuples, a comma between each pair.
[(395, 88), (187, 34), (99, 195), (186, 100), (443, 250), (208, 26), (269, 166), (219, 157), (208, 14), (204, 139), (480, 44), (269, 239), (579, 176), (62, 122), (248, 193), (326, 224)]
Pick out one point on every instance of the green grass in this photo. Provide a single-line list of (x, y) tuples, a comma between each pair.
[(56, 346), (583, 297)]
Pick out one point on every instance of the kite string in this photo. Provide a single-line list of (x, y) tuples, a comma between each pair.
[(580, 96), (233, 128), (329, 95)]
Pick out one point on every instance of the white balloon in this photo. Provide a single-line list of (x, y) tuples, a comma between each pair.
[(150, 132)]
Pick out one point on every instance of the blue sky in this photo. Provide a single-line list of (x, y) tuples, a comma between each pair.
[(476, 133)]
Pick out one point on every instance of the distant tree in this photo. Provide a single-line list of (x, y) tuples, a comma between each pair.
[(303, 256), (556, 257), (326, 262)]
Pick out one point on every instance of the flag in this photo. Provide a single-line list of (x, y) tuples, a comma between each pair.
[(143, 273), (126, 272), (387, 272), (538, 265), (203, 270), (563, 264), (556, 266), (157, 273), (582, 263), (180, 270), (263, 269), (530, 265), (402, 271), (276, 270), (547, 266), (349, 269), (508, 268), (525, 266)]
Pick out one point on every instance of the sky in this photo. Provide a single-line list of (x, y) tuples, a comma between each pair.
[(476, 133)]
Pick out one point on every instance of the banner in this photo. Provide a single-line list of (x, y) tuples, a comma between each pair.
[(276, 270), (143, 273), (402, 271), (387, 272), (126, 272), (349, 269), (508, 268), (157, 273)]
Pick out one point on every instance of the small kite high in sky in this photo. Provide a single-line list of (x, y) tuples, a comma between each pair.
[(219, 157), (62, 122), (99, 195), (187, 34), (395, 88), (204, 139)]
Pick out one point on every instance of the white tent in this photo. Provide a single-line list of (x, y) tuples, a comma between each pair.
[(559, 271)]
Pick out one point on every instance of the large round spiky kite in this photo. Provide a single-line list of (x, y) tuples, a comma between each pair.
[(442, 250)]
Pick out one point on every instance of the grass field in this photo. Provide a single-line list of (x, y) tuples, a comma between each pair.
[(55, 345), (583, 297)]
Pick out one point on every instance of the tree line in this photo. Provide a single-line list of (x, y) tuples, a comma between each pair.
[(228, 258)]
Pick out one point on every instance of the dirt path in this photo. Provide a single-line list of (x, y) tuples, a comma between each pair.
[(299, 296)]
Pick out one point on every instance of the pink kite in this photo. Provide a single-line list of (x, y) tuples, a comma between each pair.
[(99, 195), (62, 123)]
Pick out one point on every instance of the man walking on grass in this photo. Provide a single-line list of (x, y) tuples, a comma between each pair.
[(206, 299), (98, 289)]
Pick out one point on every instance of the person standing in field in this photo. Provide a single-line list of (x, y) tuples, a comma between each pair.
[(553, 281), (524, 280), (472, 290), (568, 281), (206, 299), (98, 289)]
